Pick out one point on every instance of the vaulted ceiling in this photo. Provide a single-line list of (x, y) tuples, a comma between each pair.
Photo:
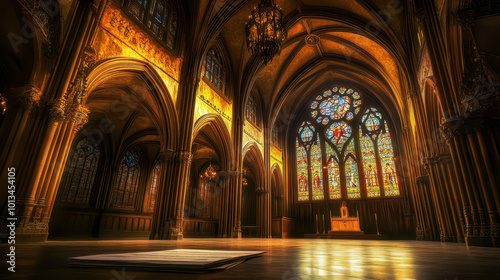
[(357, 42)]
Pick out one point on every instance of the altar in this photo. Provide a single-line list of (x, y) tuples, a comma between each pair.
[(345, 225)]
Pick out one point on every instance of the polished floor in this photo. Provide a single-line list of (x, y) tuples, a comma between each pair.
[(287, 259)]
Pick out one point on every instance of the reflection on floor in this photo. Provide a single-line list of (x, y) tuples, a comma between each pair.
[(285, 259)]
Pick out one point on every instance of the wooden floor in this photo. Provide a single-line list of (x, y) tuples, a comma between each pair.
[(285, 259)]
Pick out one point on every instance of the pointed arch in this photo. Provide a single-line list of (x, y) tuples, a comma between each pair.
[(252, 154), (222, 138), (152, 95)]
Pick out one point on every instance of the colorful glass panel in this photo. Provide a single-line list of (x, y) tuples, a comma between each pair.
[(370, 166), (307, 134), (302, 173), (391, 185), (338, 133), (335, 107), (352, 182), (334, 189), (317, 172)]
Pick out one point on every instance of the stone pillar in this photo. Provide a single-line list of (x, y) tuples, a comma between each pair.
[(479, 190)]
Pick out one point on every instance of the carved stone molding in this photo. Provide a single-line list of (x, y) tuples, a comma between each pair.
[(58, 110), (80, 116), (78, 88), (94, 6), (185, 157), (166, 155), (43, 15), (34, 227), (480, 85), (455, 127), (312, 39)]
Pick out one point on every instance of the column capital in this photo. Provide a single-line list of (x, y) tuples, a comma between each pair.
[(80, 116), (184, 157), (455, 127), (58, 111), (262, 190), (166, 155), (28, 96)]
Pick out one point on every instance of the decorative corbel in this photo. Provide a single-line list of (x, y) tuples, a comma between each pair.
[(28, 96), (80, 117), (78, 87)]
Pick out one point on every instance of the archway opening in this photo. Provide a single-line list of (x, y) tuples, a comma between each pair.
[(111, 178)]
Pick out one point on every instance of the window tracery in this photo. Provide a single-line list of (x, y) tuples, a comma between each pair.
[(81, 174), (356, 147), (127, 184)]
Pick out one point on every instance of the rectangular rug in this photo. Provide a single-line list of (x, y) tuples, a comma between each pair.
[(177, 260)]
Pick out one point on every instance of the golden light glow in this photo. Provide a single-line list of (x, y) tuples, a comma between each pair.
[(276, 157), (118, 36), (251, 133), (210, 102)]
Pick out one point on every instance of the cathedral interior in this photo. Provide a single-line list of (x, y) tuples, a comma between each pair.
[(349, 138)]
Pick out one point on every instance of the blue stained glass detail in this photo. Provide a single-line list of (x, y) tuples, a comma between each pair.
[(314, 105)]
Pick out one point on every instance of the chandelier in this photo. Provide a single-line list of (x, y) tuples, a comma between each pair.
[(265, 31), (209, 173)]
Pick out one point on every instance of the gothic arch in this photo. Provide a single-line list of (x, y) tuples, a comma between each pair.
[(221, 137), (152, 94)]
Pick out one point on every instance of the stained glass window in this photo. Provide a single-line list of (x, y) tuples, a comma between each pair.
[(335, 104), (391, 185), (352, 182), (352, 143), (306, 132), (214, 71), (338, 133), (160, 16), (370, 166), (153, 189), (302, 172), (77, 185), (125, 191), (334, 188), (137, 8), (317, 172)]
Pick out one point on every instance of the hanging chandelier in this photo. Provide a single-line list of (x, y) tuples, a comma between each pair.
[(265, 31), (209, 173), (3, 105)]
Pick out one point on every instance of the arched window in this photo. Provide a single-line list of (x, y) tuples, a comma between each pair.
[(78, 182), (251, 110), (153, 189), (125, 191), (160, 16), (354, 145), (214, 70)]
